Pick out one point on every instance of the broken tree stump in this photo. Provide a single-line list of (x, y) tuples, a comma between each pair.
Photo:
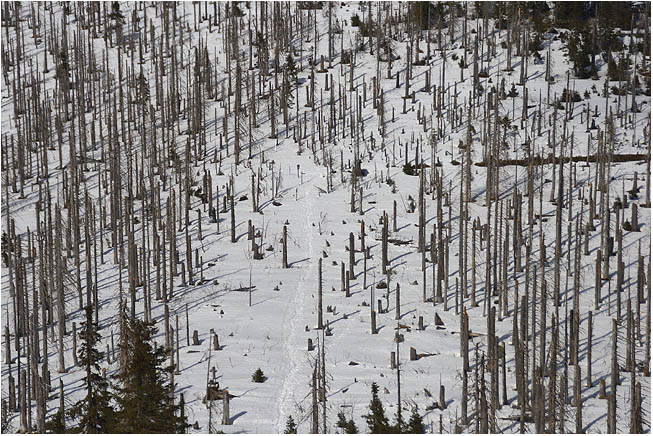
[(196, 340)]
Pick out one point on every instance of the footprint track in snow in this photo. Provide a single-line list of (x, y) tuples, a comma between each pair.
[(291, 324)]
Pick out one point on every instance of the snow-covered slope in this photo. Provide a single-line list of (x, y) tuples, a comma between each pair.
[(272, 333)]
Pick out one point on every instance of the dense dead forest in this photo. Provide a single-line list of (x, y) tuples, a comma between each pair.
[(326, 217)]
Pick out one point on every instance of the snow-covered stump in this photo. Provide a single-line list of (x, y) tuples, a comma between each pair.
[(443, 403), (226, 420), (634, 218), (413, 353), (372, 312), (12, 394), (216, 342), (602, 395), (398, 304), (196, 340)]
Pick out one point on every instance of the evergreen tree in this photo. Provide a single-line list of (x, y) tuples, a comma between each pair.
[(571, 15), (93, 413), (291, 68), (613, 71), (350, 427), (342, 421), (398, 426), (118, 20), (347, 426), (258, 376), (291, 427), (579, 46), (143, 395), (415, 424), (614, 14), (116, 14), (55, 425), (376, 419), (5, 427)]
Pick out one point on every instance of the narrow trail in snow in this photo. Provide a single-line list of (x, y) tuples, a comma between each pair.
[(294, 314)]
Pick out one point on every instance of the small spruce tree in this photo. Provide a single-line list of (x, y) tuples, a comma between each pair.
[(350, 427), (93, 413), (376, 419), (56, 424), (291, 427), (415, 424), (291, 68), (258, 376), (346, 426), (342, 421), (143, 393)]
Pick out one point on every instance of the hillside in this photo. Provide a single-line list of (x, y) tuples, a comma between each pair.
[(155, 154)]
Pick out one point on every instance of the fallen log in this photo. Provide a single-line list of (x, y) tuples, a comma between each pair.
[(539, 160)]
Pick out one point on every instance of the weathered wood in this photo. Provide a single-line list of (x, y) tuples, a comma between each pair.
[(398, 303), (578, 400), (74, 333), (226, 420), (196, 340), (284, 241), (589, 350), (351, 255), (320, 324)]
